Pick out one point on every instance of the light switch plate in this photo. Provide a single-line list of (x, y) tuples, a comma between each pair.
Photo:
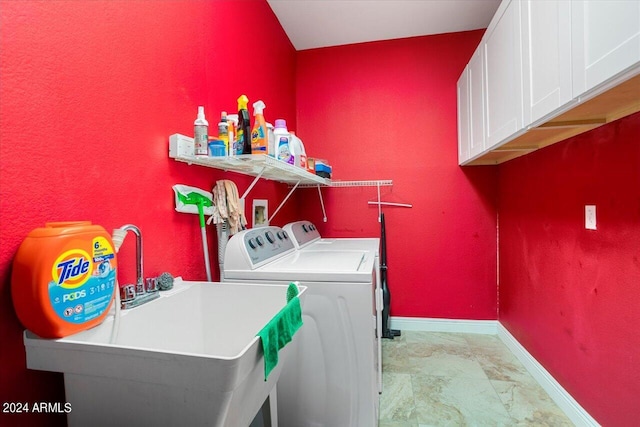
[(590, 217)]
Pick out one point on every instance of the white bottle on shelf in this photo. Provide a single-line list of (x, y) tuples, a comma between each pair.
[(282, 141), (201, 131), (271, 146), (297, 151)]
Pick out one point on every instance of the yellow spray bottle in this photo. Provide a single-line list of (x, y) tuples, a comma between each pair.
[(259, 138)]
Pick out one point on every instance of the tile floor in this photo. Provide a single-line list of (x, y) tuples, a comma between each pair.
[(452, 379)]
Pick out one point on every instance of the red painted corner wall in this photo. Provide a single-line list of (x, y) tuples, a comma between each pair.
[(387, 110), (89, 94), (571, 296)]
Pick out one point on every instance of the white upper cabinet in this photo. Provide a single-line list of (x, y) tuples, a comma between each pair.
[(503, 75), (546, 45), (476, 103), (605, 40), (463, 117), (547, 70), (471, 109)]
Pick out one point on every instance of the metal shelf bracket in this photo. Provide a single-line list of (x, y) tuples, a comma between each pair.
[(284, 201), (255, 180), (324, 212)]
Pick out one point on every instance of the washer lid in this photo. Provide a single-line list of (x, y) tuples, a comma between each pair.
[(347, 243)]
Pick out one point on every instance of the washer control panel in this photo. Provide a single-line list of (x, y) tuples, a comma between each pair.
[(303, 232), (266, 243)]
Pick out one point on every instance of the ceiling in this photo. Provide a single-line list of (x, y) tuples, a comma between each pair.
[(321, 23)]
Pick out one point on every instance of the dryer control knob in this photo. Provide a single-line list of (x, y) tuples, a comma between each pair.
[(260, 241), (252, 243)]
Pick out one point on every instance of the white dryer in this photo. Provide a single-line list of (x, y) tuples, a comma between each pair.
[(329, 376), (305, 236)]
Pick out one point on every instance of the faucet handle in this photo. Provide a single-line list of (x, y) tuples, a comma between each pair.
[(151, 284), (140, 287), (127, 292)]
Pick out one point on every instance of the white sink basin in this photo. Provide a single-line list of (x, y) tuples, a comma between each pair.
[(189, 358)]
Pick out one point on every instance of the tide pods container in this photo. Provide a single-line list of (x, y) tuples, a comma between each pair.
[(63, 278)]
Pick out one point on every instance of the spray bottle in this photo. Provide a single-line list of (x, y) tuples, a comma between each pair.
[(259, 136), (201, 128), (244, 127)]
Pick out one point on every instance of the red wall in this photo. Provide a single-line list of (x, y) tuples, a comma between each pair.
[(90, 93), (387, 110), (91, 90), (571, 296)]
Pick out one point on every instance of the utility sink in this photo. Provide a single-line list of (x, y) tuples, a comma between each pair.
[(190, 358)]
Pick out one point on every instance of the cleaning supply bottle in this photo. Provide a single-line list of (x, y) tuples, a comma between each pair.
[(303, 155), (232, 120), (63, 278), (201, 128), (297, 151), (243, 137), (223, 131), (282, 138), (259, 136), (271, 138)]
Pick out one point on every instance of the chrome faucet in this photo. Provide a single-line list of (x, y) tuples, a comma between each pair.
[(133, 295)]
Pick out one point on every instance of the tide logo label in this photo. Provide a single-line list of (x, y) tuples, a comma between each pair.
[(72, 269)]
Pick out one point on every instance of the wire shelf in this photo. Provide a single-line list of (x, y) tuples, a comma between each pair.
[(261, 165)]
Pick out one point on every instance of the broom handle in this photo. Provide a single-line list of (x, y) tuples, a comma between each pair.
[(206, 254), (205, 246)]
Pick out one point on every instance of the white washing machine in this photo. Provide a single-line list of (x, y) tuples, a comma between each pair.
[(329, 376), (306, 236)]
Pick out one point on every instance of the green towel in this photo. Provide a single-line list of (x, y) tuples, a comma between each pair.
[(280, 329)]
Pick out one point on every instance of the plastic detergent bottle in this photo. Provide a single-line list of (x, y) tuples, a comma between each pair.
[(201, 130), (282, 138), (243, 137), (63, 278), (223, 131), (303, 156), (297, 151), (232, 120), (259, 136), (271, 144)]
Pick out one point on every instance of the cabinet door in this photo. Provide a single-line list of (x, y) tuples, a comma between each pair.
[(471, 109), (546, 32), (476, 104), (605, 40), (463, 117), (503, 74)]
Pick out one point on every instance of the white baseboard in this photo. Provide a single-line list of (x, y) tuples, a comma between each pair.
[(563, 399), (560, 396), (487, 327)]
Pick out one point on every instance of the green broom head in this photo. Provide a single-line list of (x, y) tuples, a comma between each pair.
[(197, 199)]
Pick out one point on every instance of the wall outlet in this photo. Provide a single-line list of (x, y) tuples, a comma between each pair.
[(590, 217)]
